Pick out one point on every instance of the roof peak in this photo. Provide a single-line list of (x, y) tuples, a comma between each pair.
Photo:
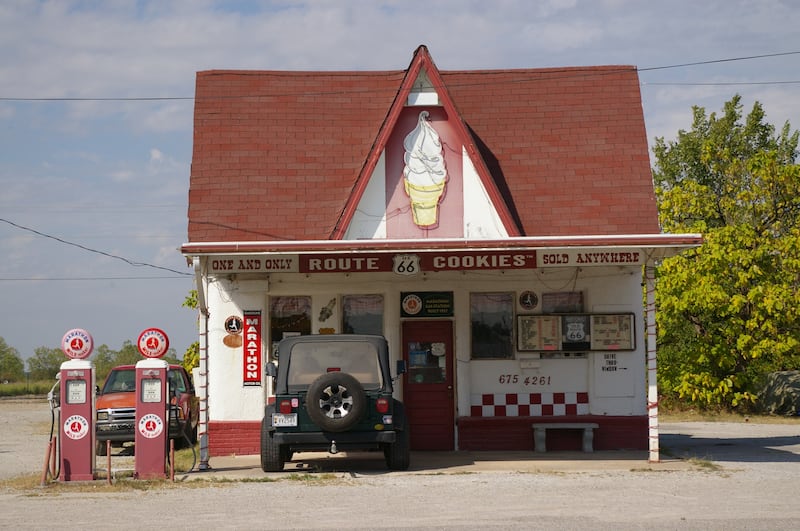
[(422, 62)]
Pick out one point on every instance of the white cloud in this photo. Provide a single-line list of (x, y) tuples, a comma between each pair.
[(156, 157), (122, 176)]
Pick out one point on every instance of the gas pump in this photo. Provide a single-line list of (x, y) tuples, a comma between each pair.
[(76, 434), (152, 403)]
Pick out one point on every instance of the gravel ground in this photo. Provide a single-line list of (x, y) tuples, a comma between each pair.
[(746, 476)]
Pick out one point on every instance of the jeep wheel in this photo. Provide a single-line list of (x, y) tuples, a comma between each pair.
[(272, 456), (398, 453), (335, 401)]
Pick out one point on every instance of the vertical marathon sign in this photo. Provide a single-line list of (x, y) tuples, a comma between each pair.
[(252, 348)]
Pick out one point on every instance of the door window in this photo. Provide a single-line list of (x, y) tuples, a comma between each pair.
[(426, 362)]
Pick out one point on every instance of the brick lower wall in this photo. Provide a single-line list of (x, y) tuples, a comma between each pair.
[(474, 433), (234, 437), (516, 433)]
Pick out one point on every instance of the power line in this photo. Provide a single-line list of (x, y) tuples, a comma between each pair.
[(79, 246), (722, 83), (716, 61), (34, 279), (132, 98), (568, 72)]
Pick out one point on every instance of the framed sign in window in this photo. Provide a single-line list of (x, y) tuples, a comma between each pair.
[(575, 332), (538, 332), (612, 332)]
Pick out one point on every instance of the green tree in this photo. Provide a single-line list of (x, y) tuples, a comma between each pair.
[(191, 357), (103, 359), (106, 359), (128, 355), (12, 368), (171, 357), (45, 363), (727, 310)]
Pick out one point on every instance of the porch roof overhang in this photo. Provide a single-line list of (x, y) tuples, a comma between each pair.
[(656, 246)]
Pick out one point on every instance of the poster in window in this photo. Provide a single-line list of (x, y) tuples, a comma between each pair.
[(575, 334), (538, 332), (612, 332), (562, 302)]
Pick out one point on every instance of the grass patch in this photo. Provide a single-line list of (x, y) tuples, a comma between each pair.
[(30, 484), (312, 478), (187, 458), (688, 414), (706, 416), (27, 389), (704, 464)]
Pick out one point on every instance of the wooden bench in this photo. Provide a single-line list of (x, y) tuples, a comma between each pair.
[(540, 433)]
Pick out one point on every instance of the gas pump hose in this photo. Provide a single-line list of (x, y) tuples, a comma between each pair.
[(54, 404)]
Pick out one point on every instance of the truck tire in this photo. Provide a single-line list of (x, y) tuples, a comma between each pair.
[(335, 401), (272, 455)]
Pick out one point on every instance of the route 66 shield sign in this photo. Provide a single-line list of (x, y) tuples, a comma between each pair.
[(406, 264)]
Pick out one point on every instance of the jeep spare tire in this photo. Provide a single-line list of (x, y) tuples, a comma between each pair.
[(335, 401)]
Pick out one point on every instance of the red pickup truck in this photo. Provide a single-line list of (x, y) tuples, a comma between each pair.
[(116, 408)]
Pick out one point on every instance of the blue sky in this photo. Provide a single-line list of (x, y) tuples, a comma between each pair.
[(80, 163)]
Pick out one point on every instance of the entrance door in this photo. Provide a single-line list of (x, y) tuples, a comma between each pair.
[(428, 384)]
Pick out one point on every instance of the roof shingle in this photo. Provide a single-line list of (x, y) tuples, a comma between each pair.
[(277, 154)]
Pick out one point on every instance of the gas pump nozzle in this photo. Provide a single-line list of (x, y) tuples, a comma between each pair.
[(52, 398)]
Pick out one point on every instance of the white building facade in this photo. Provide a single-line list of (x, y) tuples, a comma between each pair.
[(502, 321)]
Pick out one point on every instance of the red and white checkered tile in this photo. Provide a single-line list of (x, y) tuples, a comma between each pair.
[(529, 404)]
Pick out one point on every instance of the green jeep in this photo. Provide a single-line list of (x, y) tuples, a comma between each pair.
[(333, 393)]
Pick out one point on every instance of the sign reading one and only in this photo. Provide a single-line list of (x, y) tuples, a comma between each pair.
[(410, 264)]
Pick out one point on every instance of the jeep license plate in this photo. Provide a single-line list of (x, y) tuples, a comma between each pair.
[(280, 420)]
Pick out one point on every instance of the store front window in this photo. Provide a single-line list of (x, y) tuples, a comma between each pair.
[(288, 316), (362, 314), (492, 318)]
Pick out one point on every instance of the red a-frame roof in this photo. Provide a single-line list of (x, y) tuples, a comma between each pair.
[(286, 155)]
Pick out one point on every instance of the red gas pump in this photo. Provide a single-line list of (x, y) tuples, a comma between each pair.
[(152, 403), (76, 436)]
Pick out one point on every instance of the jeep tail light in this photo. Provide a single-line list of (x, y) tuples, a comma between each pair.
[(334, 369), (382, 405), (285, 406)]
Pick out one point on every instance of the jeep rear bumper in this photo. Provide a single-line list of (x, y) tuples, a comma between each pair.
[(323, 439)]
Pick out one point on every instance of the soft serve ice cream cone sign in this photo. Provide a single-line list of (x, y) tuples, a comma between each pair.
[(424, 175)]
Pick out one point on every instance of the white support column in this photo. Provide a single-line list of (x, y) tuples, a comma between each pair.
[(201, 385), (652, 383)]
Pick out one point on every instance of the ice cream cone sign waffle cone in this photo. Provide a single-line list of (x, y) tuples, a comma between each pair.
[(424, 175)]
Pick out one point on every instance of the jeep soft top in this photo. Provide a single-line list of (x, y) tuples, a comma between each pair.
[(333, 392)]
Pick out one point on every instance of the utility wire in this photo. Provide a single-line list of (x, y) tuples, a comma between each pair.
[(62, 279), (721, 83), (716, 61), (568, 72), (79, 246)]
